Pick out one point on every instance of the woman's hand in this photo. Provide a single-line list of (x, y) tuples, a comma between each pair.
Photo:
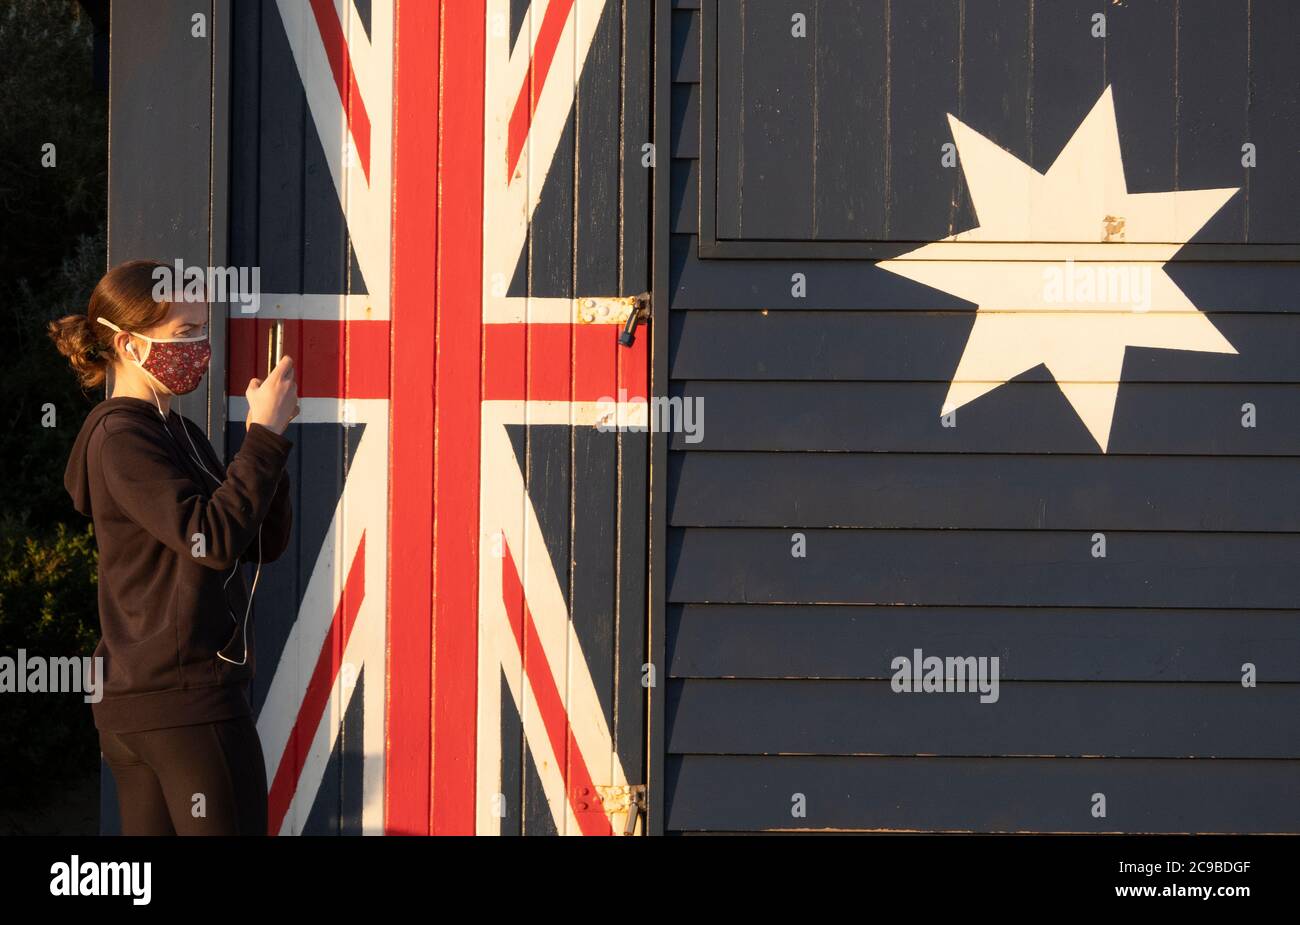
[(273, 403)]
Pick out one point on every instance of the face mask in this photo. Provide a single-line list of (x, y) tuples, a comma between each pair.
[(177, 362)]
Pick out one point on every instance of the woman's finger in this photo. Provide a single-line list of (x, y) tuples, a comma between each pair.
[(280, 368)]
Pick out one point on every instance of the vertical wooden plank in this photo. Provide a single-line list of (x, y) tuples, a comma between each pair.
[(548, 474), (594, 460), (458, 375), (655, 785), (768, 110), (1213, 88), (994, 89), (245, 143), (628, 729), (245, 130), (320, 211), (597, 212), (713, 199), (511, 772), (593, 568), (281, 589), (347, 715), (1273, 126), (411, 631), (325, 254), (499, 752), (686, 44), (634, 272), (164, 206), (159, 198), (629, 726), (850, 116), (321, 475), (281, 128), (1141, 39), (219, 217), (924, 45), (1067, 78), (160, 86)]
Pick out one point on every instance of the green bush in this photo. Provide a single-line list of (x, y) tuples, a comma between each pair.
[(47, 607), (52, 251)]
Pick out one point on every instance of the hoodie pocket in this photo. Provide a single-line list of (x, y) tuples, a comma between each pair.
[(203, 624)]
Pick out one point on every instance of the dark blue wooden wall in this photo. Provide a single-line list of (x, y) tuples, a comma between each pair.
[(1120, 675)]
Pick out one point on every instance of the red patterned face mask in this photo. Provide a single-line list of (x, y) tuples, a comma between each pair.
[(177, 362)]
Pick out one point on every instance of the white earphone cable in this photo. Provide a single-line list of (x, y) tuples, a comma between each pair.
[(257, 573)]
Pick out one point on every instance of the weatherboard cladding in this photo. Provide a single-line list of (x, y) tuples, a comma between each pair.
[(1119, 675)]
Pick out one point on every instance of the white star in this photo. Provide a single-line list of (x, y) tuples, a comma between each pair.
[(1076, 318)]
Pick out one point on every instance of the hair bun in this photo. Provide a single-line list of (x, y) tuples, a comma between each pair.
[(73, 337), (124, 296)]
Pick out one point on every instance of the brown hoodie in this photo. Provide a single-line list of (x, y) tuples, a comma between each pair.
[(168, 538)]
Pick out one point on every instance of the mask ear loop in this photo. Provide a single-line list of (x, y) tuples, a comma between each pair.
[(130, 348)]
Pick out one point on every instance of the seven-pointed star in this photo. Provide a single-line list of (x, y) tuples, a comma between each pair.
[(1074, 317)]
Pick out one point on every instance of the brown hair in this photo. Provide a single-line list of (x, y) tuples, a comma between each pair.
[(125, 297)]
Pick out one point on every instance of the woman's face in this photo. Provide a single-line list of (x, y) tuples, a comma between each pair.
[(183, 319)]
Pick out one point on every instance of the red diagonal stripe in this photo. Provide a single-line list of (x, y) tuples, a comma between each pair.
[(548, 38), (317, 695), (549, 702), (336, 50)]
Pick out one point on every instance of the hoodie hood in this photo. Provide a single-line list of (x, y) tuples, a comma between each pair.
[(76, 478)]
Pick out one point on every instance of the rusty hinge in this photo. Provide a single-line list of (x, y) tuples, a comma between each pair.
[(605, 309), (627, 800), (628, 311)]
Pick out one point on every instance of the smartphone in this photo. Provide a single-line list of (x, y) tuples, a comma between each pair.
[(274, 345)]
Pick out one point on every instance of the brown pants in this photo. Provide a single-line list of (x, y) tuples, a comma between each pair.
[(205, 779)]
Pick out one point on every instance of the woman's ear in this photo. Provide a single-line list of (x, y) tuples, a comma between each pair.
[(122, 343)]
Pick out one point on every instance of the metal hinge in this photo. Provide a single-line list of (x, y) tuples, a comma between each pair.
[(627, 800), (628, 311)]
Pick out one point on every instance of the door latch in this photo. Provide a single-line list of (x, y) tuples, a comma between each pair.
[(640, 312), (624, 798)]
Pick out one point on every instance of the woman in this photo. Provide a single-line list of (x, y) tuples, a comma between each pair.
[(175, 724)]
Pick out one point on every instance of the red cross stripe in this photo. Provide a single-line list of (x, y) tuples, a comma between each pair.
[(560, 362), (494, 102), (334, 359)]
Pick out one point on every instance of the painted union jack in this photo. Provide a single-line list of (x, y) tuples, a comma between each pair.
[(349, 619)]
